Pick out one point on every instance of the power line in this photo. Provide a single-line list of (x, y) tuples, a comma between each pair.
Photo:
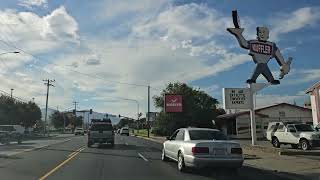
[(67, 68)]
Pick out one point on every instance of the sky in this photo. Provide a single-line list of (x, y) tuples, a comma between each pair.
[(102, 53)]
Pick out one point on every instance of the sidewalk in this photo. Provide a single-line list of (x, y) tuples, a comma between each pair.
[(14, 148), (267, 158)]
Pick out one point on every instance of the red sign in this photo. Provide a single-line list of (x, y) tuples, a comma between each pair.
[(172, 103)]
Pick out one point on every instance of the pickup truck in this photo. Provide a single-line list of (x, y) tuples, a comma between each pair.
[(298, 135), (100, 132)]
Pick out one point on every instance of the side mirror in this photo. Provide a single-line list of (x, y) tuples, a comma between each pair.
[(168, 138)]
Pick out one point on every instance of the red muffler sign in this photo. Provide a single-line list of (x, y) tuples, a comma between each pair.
[(172, 103)]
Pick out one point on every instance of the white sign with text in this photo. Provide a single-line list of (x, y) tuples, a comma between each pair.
[(237, 98)]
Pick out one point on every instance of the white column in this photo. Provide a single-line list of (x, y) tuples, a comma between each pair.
[(314, 97), (253, 117)]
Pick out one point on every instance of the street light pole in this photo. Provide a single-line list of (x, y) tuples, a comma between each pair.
[(148, 114), (14, 52), (11, 92), (136, 101)]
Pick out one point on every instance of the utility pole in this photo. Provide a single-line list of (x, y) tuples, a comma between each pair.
[(148, 114), (11, 92), (75, 107), (48, 84)]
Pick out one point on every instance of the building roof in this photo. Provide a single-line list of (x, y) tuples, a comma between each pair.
[(234, 115), (310, 89), (283, 104)]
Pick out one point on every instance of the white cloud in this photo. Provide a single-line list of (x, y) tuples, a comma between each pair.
[(298, 76), (38, 34), (33, 3), (298, 19), (178, 44)]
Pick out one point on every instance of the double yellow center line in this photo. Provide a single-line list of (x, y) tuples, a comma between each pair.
[(70, 156)]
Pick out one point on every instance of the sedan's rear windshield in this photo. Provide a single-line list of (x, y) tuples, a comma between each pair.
[(206, 135), (101, 127)]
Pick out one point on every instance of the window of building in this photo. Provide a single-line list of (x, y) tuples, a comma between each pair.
[(282, 114)]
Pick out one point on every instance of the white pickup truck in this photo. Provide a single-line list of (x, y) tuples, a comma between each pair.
[(298, 135)]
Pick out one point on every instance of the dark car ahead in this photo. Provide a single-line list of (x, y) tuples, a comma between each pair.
[(100, 132)]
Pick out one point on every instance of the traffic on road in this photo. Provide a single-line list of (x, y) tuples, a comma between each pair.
[(159, 90)]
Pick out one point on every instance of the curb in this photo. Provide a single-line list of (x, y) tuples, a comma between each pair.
[(261, 148), (292, 153), (32, 149), (276, 173)]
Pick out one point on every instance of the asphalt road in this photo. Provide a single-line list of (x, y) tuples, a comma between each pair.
[(131, 158)]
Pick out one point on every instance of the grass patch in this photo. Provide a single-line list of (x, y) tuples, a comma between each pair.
[(142, 132)]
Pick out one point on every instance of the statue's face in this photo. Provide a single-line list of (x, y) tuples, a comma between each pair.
[(263, 34)]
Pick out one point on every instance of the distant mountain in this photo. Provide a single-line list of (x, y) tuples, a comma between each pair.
[(95, 115)]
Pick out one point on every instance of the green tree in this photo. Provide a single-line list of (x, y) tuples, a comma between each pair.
[(199, 109), (17, 112), (57, 119), (30, 113), (77, 121)]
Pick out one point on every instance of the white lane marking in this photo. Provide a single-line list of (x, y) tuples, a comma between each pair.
[(145, 159), (126, 143)]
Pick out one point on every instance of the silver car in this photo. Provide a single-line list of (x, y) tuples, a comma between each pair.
[(202, 147)]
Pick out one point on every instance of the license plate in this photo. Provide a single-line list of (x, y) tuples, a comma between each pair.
[(219, 152)]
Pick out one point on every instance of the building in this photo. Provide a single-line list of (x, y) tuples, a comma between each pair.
[(314, 92), (237, 125)]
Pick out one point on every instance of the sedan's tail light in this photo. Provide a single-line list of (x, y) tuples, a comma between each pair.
[(200, 150), (236, 151)]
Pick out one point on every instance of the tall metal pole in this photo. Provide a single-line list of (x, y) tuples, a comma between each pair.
[(138, 114), (11, 92), (64, 122), (148, 114), (88, 121), (253, 117)]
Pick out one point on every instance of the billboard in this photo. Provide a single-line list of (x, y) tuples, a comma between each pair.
[(236, 98), (173, 103)]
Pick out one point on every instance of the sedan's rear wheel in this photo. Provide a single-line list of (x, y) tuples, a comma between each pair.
[(181, 164)]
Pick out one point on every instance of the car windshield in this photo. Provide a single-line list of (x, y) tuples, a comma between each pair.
[(304, 128), (206, 135), (101, 127)]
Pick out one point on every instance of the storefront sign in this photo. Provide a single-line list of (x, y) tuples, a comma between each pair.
[(172, 103)]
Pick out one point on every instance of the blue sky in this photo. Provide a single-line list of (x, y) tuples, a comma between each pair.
[(149, 42)]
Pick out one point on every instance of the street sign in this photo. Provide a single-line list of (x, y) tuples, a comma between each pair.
[(173, 103), (237, 98)]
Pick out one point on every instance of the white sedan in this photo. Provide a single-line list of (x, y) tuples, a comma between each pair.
[(202, 147)]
